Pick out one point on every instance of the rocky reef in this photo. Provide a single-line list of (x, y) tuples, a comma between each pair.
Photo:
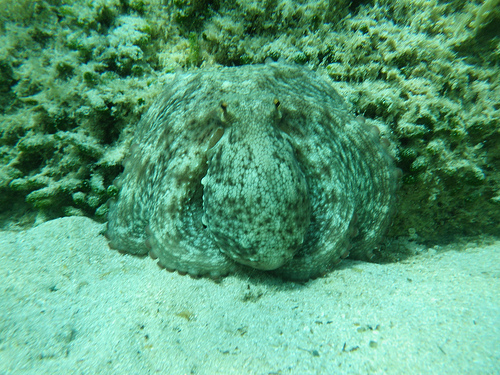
[(75, 77)]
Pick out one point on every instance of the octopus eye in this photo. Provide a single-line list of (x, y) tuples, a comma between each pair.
[(276, 103), (223, 105)]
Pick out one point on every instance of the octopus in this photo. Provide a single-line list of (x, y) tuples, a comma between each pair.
[(253, 167)]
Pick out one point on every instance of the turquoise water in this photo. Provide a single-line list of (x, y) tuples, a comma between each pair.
[(75, 79)]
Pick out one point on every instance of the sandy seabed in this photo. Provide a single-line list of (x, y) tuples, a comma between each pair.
[(69, 305)]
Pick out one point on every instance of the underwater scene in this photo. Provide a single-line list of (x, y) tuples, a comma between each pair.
[(249, 187)]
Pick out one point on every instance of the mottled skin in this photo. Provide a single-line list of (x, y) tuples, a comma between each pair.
[(259, 165)]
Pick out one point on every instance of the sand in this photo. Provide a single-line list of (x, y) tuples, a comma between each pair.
[(70, 305)]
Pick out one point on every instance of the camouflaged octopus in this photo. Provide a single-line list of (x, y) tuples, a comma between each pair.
[(256, 166)]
